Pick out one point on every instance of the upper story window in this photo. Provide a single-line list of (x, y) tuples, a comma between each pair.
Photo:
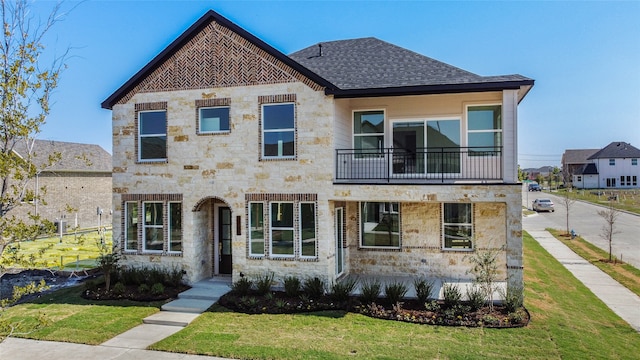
[(368, 132), (612, 162), (213, 120), (634, 162), (484, 125), (278, 131), (152, 135), (457, 226)]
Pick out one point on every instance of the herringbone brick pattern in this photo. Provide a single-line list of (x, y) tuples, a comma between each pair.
[(217, 57)]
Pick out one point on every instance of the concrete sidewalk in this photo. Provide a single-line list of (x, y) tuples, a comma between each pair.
[(23, 349), (618, 298)]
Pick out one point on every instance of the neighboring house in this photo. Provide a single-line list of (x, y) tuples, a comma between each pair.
[(80, 180), (614, 166), (574, 161), (348, 157)]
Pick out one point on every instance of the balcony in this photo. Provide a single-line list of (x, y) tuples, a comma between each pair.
[(421, 165)]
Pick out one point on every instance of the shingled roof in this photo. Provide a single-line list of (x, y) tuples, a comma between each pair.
[(617, 150), (74, 157), (369, 66), (350, 68), (577, 156)]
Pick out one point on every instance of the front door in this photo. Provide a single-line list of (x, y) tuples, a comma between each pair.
[(224, 240)]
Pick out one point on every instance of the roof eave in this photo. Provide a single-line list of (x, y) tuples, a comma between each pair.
[(522, 85), (188, 35)]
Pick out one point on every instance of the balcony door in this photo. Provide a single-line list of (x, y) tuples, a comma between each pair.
[(425, 147)]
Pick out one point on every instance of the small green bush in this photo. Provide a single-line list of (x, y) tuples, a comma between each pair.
[(313, 287), (118, 288), (423, 289), (157, 289), (143, 288), (513, 299), (242, 286), (263, 283), (395, 291), (451, 294), (292, 286), (91, 285), (370, 291), (475, 297), (340, 291)]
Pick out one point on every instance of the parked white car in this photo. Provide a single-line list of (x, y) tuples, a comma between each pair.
[(542, 205)]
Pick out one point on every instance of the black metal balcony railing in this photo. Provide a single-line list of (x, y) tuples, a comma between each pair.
[(422, 164)]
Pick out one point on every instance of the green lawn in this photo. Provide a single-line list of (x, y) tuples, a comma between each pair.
[(71, 318), (75, 251), (567, 322)]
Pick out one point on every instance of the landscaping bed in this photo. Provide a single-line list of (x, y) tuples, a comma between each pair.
[(433, 312)]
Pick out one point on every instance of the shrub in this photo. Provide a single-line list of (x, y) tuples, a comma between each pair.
[(423, 289), (476, 297), (513, 298), (242, 286), (313, 287), (432, 306), (263, 283), (340, 291), (118, 288), (143, 288), (395, 291), (451, 294), (173, 277), (292, 286), (91, 285), (370, 291), (157, 289)]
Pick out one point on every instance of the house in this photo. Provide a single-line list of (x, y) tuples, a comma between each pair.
[(614, 166), (231, 157), (77, 184), (573, 161)]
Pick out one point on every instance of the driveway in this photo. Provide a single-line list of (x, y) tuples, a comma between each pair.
[(584, 219)]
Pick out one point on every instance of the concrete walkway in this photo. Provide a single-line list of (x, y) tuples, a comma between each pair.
[(618, 298)]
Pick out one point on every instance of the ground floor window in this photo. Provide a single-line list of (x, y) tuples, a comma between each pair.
[(611, 182), (282, 226), (152, 224), (380, 225), (457, 226)]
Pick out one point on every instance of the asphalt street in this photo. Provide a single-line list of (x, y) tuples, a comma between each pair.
[(584, 219)]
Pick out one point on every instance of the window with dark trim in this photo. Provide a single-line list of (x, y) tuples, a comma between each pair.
[(152, 135), (457, 226)]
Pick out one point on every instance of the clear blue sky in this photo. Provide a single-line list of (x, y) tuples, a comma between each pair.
[(584, 56)]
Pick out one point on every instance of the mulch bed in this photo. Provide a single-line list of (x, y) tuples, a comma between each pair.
[(409, 310), (132, 292)]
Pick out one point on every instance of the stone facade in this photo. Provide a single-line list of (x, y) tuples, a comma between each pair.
[(210, 172)]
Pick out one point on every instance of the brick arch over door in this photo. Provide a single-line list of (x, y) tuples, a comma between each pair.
[(202, 202)]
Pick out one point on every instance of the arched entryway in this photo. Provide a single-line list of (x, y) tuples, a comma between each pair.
[(217, 217)]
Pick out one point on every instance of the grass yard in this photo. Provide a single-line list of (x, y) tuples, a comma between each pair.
[(625, 274), (567, 322), (71, 318), (628, 200), (73, 252)]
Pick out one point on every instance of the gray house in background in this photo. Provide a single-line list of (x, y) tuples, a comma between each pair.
[(80, 180)]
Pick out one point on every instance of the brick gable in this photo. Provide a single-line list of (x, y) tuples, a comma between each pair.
[(217, 57)]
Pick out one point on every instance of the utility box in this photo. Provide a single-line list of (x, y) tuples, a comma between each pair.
[(60, 224)]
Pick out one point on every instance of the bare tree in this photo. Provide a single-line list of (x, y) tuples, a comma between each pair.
[(566, 202), (610, 215)]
